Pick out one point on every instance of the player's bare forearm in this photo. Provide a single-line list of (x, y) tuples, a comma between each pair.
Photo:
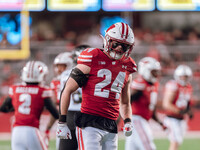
[(172, 108), (155, 117), (168, 102), (125, 105), (125, 111), (64, 101)]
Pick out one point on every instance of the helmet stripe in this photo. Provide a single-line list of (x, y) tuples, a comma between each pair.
[(111, 27), (126, 31), (32, 69), (29, 69), (122, 30)]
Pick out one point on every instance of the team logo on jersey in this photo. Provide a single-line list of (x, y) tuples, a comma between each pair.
[(102, 62), (124, 67), (114, 62)]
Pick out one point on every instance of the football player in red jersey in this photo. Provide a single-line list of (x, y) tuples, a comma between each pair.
[(104, 75), (176, 102), (144, 91), (28, 100), (62, 62)]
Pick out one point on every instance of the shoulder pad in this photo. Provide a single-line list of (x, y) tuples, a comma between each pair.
[(132, 67), (87, 56)]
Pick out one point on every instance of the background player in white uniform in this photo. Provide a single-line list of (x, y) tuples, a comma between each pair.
[(144, 89), (75, 102), (176, 102), (28, 100), (104, 76), (62, 62)]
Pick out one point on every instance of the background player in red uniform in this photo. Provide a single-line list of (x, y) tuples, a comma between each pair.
[(176, 102), (104, 76), (28, 100), (144, 89), (62, 62)]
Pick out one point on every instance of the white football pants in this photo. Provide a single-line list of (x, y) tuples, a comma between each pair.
[(176, 128), (27, 138), (91, 138)]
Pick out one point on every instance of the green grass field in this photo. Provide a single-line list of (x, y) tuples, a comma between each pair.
[(162, 144)]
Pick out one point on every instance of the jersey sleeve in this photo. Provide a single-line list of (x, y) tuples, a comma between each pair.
[(47, 92), (171, 85), (132, 67), (87, 56), (138, 84)]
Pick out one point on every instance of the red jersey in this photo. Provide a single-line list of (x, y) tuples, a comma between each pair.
[(145, 105), (28, 102), (182, 98), (55, 86), (101, 94)]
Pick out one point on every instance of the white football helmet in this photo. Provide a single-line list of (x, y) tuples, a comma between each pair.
[(146, 67), (183, 70), (34, 72), (64, 58), (123, 35)]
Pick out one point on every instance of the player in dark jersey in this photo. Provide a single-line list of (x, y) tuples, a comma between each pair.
[(104, 76), (28, 100)]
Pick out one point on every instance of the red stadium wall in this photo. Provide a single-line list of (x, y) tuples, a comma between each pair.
[(194, 124)]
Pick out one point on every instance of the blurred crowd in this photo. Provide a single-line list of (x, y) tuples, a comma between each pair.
[(142, 35), (171, 47)]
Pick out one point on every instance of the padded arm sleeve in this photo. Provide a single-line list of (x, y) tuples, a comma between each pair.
[(79, 76)]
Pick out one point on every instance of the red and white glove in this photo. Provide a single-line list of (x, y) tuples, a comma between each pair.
[(63, 131), (128, 129)]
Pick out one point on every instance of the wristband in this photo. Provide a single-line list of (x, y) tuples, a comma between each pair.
[(127, 120), (63, 118)]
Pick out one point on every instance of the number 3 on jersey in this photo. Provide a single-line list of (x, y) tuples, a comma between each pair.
[(116, 85), (24, 108)]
